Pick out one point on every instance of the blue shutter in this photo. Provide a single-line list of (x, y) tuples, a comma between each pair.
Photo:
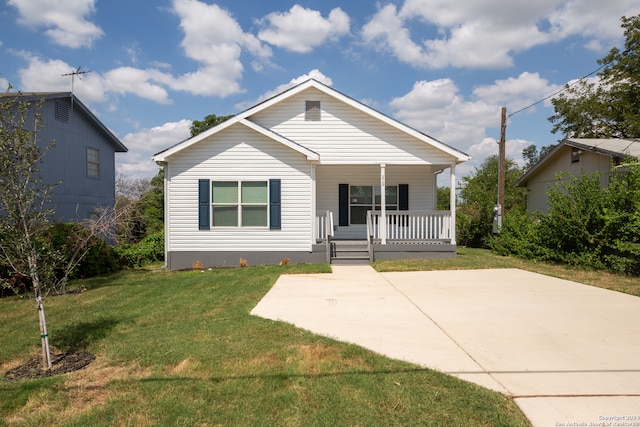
[(275, 204), (204, 206), (403, 197), (343, 204)]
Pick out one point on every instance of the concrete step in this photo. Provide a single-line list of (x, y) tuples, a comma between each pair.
[(349, 251)]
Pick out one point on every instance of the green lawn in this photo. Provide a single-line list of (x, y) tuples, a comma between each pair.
[(468, 258), (180, 348)]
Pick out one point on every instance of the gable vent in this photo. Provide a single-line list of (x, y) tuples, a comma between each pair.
[(312, 111), (62, 111)]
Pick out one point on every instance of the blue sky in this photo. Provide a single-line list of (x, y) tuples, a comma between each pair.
[(445, 67)]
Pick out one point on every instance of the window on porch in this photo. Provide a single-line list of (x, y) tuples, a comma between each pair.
[(363, 198)]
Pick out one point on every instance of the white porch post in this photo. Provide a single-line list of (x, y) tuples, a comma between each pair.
[(383, 204), (452, 196), (314, 222)]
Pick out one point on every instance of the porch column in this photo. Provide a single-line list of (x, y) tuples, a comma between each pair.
[(452, 192), (383, 204), (314, 221)]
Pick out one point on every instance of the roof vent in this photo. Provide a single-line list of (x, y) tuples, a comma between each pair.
[(312, 111), (62, 111)]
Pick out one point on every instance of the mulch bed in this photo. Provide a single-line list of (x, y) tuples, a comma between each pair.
[(61, 363)]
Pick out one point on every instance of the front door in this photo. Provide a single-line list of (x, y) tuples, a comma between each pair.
[(355, 201)]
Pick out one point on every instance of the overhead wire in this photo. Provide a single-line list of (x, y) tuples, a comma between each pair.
[(567, 86)]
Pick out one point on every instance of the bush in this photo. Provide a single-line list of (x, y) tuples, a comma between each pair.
[(585, 226), (148, 250), (101, 258)]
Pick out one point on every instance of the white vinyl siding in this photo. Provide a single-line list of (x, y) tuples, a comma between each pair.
[(346, 135), (240, 154), (419, 178)]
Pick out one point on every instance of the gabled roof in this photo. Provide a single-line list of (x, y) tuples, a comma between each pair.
[(611, 147), (311, 83), (76, 103)]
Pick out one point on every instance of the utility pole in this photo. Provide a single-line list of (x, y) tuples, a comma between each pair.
[(499, 209)]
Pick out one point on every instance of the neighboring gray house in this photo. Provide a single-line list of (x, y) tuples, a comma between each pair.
[(310, 175), (575, 156), (83, 160)]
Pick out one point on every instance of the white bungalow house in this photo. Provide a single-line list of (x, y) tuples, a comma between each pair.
[(309, 175)]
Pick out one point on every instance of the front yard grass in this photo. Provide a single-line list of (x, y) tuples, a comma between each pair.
[(180, 348), (469, 258)]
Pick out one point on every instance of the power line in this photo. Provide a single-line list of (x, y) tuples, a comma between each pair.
[(558, 92)]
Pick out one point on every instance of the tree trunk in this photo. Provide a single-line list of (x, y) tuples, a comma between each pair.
[(46, 351), (44, 336)]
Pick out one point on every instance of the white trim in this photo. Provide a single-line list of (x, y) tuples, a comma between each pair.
[(383, 202), (311, 155), (459, 156), (452, 208)]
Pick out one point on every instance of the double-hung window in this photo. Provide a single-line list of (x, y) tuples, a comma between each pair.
[(239, 203), (93, 163)]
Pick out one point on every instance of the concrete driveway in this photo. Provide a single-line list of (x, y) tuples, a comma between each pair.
[(566, 352)]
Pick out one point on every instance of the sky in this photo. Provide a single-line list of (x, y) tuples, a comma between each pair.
[(444, 67)]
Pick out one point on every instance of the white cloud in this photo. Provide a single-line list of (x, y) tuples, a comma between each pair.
[(387, 32), (301, 30), (599, 25), (437, 108), (137, 163), (125, 80), (313, 74), (65, 20), (517, 92), (216, 49), (214, 39), (47, 76), (487, 33)]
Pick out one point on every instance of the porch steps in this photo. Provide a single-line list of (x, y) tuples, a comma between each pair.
[(349, 252)]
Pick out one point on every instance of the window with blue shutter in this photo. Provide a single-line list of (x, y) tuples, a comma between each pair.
[(204, 194), (275, 205)]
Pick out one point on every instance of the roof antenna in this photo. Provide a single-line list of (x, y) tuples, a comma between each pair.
[(73, 74)]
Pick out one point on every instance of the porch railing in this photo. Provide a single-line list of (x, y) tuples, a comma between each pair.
[(324, 225), (410, 225)]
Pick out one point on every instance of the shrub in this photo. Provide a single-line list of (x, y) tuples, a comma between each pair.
[(585, 226), (148, 250)]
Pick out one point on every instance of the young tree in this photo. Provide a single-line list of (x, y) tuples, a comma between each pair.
[(25, 211), (609, 107)]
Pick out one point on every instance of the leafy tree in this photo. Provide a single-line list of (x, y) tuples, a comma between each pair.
[(478, 196), (208, 122), (610, 107), (444, 199), (531, 155), (144, 202), (25, 198)]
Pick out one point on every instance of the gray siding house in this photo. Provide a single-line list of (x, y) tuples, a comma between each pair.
[(575, 156), (83, 160)]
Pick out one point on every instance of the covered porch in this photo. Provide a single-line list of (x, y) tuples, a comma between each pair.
[(388, 220)]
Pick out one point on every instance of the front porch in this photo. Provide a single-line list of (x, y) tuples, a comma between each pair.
[(403, 235)]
